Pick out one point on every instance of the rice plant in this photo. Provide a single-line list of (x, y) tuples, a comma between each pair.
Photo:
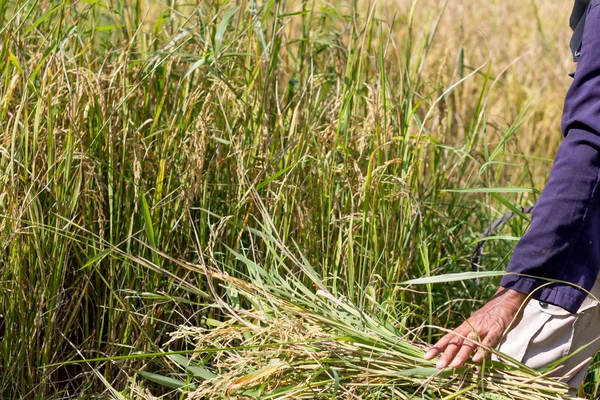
[(139, 138)]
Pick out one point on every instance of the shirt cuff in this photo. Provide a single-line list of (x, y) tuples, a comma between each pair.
[(565, 296)]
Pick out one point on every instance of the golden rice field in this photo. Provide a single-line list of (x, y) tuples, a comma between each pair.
[(222, 199)]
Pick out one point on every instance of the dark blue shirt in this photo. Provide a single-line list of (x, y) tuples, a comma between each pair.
[(563, 241)]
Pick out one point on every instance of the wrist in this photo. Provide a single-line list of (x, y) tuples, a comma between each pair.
[(510, 297)]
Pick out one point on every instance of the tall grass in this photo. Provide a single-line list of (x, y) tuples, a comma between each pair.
[(131, 129)]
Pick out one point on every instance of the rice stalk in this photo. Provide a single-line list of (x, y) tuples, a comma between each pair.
[(296, 346)]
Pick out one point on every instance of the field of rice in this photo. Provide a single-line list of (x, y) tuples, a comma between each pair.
[(223, 199)]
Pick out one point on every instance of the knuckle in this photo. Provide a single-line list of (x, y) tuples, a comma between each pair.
[(491, 339), (469, 345), (444, 340)]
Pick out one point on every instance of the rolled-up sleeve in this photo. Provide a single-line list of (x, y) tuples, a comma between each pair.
[(563, 241)]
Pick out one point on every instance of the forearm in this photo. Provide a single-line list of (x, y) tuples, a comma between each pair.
[(563, 241)]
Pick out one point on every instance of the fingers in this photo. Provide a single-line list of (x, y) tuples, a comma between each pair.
[(456, 349), (450, 352), (486, 325), (439, 347), (468, 346), (490, 340), (480, 354)]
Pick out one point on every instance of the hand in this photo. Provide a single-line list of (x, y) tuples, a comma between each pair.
[(484, 328)]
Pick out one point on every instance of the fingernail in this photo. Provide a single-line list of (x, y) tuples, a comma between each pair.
[(440, 365), (455, 364), (427, 355)]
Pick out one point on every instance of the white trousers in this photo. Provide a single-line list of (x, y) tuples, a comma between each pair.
[(547, 333)]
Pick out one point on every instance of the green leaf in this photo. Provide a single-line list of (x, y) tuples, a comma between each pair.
[(336, 383), (42, 19), (491, 190), (510, 206), (148, 220), (291, 14), (213, 322), (196, 65), (15, 62), (421, 372), (461, 276), (500, 237), (106, 28), (197, 371), (457, 395), (200, 372), (223, 25), (96, 258), (166, 381), (275, 176)]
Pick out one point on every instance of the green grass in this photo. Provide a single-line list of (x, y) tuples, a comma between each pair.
[(138, 139)]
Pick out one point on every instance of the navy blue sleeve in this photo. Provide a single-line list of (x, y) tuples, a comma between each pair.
[(563, 241)]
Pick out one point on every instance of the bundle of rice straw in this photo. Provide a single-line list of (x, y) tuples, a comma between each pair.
[(295, 343)]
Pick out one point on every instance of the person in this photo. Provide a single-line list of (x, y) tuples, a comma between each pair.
[(556, 263)]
